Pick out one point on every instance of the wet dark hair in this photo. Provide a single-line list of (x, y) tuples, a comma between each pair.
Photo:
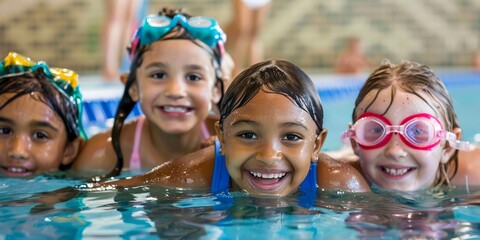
[(274, 76), (420, 80), (127, 104), (36, 81)]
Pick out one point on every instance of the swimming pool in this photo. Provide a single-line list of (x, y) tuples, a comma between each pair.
[(47, 207)]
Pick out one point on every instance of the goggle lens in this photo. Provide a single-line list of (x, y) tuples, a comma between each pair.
[(369, 132), (160, 21), (205, 29), (200, 22), (420, 131)]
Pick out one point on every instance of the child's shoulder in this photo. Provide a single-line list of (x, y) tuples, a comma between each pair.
[(468, 165), (334, 174), (98, 153)]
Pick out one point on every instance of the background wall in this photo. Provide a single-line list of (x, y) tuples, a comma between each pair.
[(439, 33)]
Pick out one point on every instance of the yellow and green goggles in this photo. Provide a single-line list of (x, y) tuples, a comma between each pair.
[(65, 80)]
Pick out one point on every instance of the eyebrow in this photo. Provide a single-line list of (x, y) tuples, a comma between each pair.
[(34, 123), (155, 65), (295, 124), (239, 122), (163, 65), (287, 124)]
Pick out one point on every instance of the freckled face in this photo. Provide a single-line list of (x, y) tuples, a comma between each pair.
[(268, 145), (176, 85), (33, 138), (397, 166)]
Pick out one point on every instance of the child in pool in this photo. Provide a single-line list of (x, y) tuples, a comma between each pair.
[(405, 131), (270, 135), (40, 109), (176, 77)]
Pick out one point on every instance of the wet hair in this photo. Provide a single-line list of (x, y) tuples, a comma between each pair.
[(274, 76), (127, 104), (421, 81), (37, 82)]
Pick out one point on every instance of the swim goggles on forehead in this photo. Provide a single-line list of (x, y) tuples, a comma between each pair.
[(419, 131), (65, 80), (154, 27)]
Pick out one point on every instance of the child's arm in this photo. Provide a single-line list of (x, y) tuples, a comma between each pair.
[(468, 168), (97, 157), (337, 175), (192, 171)]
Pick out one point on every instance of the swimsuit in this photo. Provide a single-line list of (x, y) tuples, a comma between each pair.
[(221, 177), (135, 162), (254, 4)]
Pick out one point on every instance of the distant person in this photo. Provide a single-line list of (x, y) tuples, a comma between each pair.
[(121, 19), (476, 61), (40, 124), (351, 60), (244, 30)]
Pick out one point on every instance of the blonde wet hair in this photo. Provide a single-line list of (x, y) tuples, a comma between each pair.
[(420, 80)]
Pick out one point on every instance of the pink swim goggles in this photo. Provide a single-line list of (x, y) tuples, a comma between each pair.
[(419, 131)]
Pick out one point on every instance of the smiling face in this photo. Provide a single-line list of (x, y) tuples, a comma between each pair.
[(395, 165), (33, 138), (269, 144), (176, 85)]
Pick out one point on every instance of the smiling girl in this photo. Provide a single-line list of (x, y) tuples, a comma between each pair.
[(176, 78), (270, 135)]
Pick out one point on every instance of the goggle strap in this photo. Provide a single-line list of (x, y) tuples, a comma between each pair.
[(135, 44), (347, 135), (221, 47), (457, 144)]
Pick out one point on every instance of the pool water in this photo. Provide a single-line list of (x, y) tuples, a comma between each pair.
[(48, 208), (58, 207)]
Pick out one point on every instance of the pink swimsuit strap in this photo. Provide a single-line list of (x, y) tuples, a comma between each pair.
[(205, 133), (135, 163)]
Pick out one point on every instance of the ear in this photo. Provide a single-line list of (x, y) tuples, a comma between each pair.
[(123, 78), (319, 141), (227, 69), (220, 136), (71, 150), (216, 92), (354, 146), (133, 92), (448, 152)]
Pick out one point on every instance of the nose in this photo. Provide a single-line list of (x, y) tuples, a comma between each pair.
[(269, 152), (176, 88), (18, 148), (395, 148)]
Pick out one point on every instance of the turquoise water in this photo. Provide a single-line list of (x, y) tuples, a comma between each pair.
[(52, 207), (47, 208)]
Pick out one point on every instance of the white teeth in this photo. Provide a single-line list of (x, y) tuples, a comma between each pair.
[(175, 109), (395, 172), (268, 175), (17, 170)]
